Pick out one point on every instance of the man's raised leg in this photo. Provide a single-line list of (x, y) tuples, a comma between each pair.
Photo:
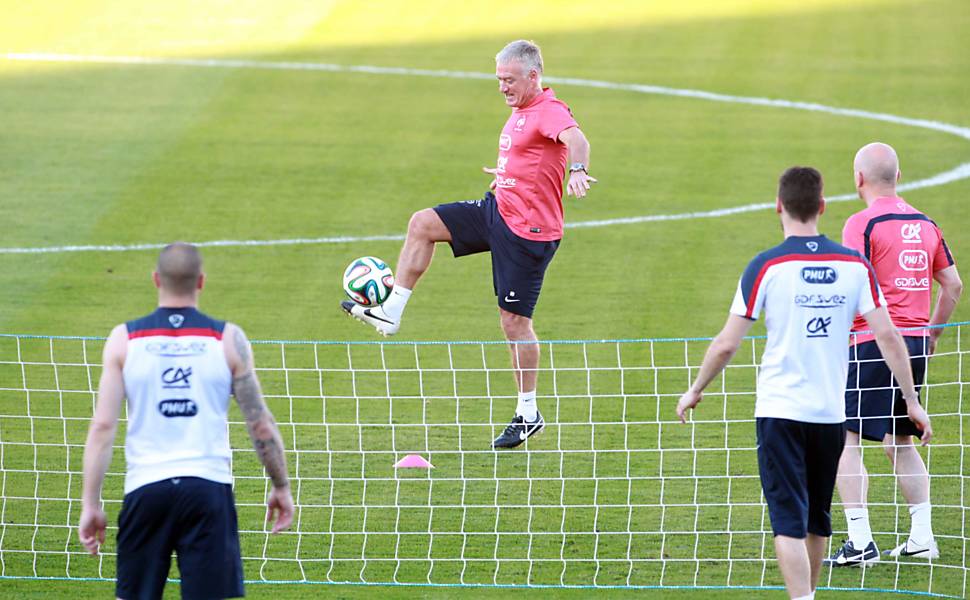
[(425, 229), (853, 484), (914, 483), (524, 348)]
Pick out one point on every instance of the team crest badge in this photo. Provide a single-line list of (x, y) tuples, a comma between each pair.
[(176, 320), (813, 246), (519, 124)]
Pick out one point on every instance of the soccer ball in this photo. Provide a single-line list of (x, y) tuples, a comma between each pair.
[(368, 281)]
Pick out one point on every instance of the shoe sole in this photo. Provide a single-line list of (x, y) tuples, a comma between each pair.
[(918, 556), (363, 322), (852, 563)]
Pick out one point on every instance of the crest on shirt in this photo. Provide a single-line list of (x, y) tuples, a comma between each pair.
[(176, 320), (813, 246), (519, 124)]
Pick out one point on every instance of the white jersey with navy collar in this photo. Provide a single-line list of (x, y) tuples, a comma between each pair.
[(178, 384), (810, 289)]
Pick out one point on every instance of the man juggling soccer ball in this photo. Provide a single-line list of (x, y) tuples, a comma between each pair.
[(520, 222)]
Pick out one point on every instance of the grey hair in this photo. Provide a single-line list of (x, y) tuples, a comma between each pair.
[(525, 52)]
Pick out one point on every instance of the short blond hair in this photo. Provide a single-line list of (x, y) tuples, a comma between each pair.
[(179, 267)]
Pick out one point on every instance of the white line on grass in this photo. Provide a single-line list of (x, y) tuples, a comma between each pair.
[(961, 172), (956, 174)]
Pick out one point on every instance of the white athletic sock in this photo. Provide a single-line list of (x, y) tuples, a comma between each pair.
[(394, 306), (921, 531), (527, 406), (859, 532), (808, 597)]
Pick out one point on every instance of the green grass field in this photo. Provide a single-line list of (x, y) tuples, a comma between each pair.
[(96, 153)]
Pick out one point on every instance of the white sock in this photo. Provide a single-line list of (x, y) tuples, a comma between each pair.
[(394, 306), (527, 406), (859, 532), (808, 597), (922, 530)]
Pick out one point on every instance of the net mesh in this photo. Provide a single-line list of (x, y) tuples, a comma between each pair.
[(614, 492)]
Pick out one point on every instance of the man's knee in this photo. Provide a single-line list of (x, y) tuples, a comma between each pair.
[(516, 327), (426, 225), (896, 445)]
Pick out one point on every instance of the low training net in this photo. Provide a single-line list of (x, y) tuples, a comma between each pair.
[(614, 492)]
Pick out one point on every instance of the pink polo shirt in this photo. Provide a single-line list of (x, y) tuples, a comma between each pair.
[(906, 249), (531, 168)]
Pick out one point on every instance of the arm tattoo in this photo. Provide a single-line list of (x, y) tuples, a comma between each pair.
[(270, 452), (259, 420), (249, 396)]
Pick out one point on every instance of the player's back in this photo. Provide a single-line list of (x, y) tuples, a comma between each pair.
[(906, 249), (178, 384), (810, 288)]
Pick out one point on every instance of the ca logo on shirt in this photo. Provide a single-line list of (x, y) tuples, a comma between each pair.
[(818, 327), (910, 233)]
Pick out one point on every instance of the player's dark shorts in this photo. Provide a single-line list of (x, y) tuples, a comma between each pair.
[(194, 517), (798, 463), (874, 404), (518, 264)]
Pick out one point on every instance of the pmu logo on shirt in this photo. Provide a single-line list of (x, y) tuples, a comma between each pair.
[(179, 407), (914, 260), (819, 275)]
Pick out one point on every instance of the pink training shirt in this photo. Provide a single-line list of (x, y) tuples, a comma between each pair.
[(906, 249), (531, 167)]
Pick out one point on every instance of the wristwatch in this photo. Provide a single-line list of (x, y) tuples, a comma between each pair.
[(577, 166)]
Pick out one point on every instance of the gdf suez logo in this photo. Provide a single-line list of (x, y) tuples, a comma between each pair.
[(819, 275), (176, 378), (818, 327)]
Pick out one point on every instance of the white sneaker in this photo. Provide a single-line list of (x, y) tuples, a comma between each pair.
[(375, 316), (911, 549)]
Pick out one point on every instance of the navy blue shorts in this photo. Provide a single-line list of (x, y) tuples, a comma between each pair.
[(798, 463), (518, 265), (194, 517), (874, 405)]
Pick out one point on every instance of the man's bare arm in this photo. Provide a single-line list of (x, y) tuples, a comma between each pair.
[(578, 148), (896, 355), (951, 287), (717, 357), (101, 435), (104, 423), (249, 395)]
